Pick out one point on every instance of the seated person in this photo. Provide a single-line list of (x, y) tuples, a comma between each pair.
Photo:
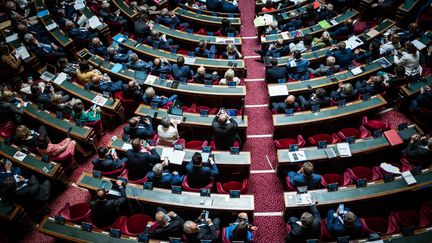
[(7, 169), (43, 50), (309, 15), (85, 72), (159, 41), (150, 97), (106, 211), (80, 33), (43, 99), (202, 77), (198, 175), (268, 7), (398, 79), (137, 64), (342, 54), (164, 178), (307, 227), (303, 45), (82, 116), (231, 52), (202, 51), (298, 68), (138, 127), (324, 41), (201, 229), (8, 107), (104, 84), (132, 90), (372, 53), (275, 49), (115, 54), (305, 177), (181, 71), (167, 132), (374, 85), (294, 24), (275, 73), (229, 77), (326, 70), (140, 159), (240, 230), (113, 17), (63, 150), (273, 28), (410, 60), (224, 133), (161, 67), (97, 47), (422, 100), (419, 148), (170, 19), (327, 12), (142, 26), (390, 45), (214, 5), (289, 103), (169, 224), (346, 29), (227, 29), (343, 223), (230, 7), (318, 98), (107, 160), (24, 137), (345, 92)]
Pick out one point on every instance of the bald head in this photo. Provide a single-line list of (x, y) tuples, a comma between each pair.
[(201, 70), (290, 99), (223, 118), (243, 215), (157, 62), (95, 79), (100, 194), (279, 41)]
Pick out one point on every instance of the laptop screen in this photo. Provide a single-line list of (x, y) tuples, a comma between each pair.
[(51, 69)]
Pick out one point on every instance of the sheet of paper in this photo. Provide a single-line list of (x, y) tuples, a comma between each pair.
[(333, 22), (324, 24), (220, 40), (79, 6), (353, 42), (285, 35), (278, 90), (94, 22), (297, 156), (205, 157), (51, 26), (356, 70), (19, 155), (372, 33), (82, 20), (99, 100), (150, 79), (126, 146), (344, 149), (167, 152), (420, 46), (268, 19), (61, 77), (259, 21), (11, 38), (390, 168), (409, 178), (190, 60), (177, 157), (22, 51)]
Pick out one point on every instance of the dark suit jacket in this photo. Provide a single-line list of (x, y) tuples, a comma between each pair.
[(417, 152), (143, 131), (214, 5), (224, 135), (166, 180), (200, 176), (107, 164), (135, 94), (139, 163), (206, 232), (105, 212), (181, 73), (173, 229), (337, 228), (300, 234), (425, 100), (275, 73), (322, 102)]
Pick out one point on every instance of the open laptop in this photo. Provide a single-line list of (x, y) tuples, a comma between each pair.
[(49, 73)]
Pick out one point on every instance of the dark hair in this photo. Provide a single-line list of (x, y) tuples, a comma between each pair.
[(136, 144), (320, 92), (42, 142), (307, 39), (34, 89), (4, 50), (180, 60), (274, 61), (197, 159), (8, 188), (411, 48), (133, 122), (84, 66), (240, 232), (399, 71), (102, 151), (297, 54), (78, 109)]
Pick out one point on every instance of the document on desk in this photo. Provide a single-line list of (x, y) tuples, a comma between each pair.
[(126, 146), (61, 77), (19, 155), (94, 22), (51, 26), (22, 51), (11, 38), (278, 90), (286, 35), (356, 71), (99, 100), (177, 157), (190, 60), (304, 198), (353, 42), (268, 19), (150, 79), (408, 178), (167, 153), (344, 149), (420, 46), (297, 156), (390, 168), (372, 33)]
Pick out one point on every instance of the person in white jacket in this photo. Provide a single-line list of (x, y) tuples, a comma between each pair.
[(409, 59)]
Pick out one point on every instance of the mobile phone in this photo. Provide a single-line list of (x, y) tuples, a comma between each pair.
[(341, 208)]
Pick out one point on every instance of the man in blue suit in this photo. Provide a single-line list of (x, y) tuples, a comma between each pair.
[(150, 96), (298, 68), (305, 177), (343, 223), (343, 55), (161, 178), (140, 160), (199, 176), (107, 161), (104, 84), (138, 127), (180, 71), (78, 33)]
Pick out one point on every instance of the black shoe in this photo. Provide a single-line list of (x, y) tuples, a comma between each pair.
[(258, 52)]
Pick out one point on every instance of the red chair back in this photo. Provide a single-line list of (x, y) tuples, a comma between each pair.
[(129, 105), (135, 224), (224, 236), (195, 144), (361, 172), (330, 139), (289, 184), (186, 186), (325, 233), (357, 133), (426, 215), (333, 178), (376, 225), (114, 172), (404, 218), (375, 124), (7, 129), (224, 188), (76, 213)]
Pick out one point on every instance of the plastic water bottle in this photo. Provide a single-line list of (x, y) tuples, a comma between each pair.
[(30, 79)]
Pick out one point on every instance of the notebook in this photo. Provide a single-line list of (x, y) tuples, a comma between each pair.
[(393, 137)]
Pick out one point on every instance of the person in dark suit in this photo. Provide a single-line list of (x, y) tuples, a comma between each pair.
[(229, 7), (343, 55), (201, 229), (161, 67), (278, 48), (44, 99), (96, 46), (180, 71), (106, 211), (199, 176), (118, 54), (213, 5), (344, 30), (132, 90), (139, 161), (224, 133), (343, 223), (202, 77), (305, 177), (307, 227), (317, 98), (289, 103), (158, 41), (150, 96), (103, 84), (169, 225), (138, 127), (345, 92), (275, 73), (137, 64), (113, 17), (161, 178), (202, 51), (419, 148), (423, 100), (107, 161), (78, 33), (374, 85)]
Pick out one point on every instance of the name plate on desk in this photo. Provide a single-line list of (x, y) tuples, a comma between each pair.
[(297, 156)]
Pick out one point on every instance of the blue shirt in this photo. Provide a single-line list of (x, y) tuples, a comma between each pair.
[(229, 233), (297, 179)]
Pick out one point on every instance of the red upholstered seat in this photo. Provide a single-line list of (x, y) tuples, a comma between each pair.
[(7, 129), (333, 138), (76, 213), (325, 233), (196, 144), (377, 225), (361, 172), (426, 215), (289, 185), (284, 143), (185, 185), (375, 124), (115, 172), (404, 218), (335, 178), (134, 224), (129, 105), (225, 187), (362, 132)]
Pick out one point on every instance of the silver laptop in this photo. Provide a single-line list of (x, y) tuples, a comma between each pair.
[(49, 73)]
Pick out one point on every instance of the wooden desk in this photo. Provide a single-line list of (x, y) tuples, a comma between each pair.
[(306, 118), (207, 12), (195, 38), (326, 82), (406, 8), (414, 88), (72, 232), (222, 158), (31, 161), (360, 147), (125, 9), (212, 64), (192, 119), (47, 118), (315, 29), (261, 3), (283, 16), (351, 194), (319, 54), (103, 29), (10, 212), (204, 19), (164, 197)]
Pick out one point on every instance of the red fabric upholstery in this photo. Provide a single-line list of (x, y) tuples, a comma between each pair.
[(334, 178), (357, 133), (186, 186), (404, 218), (225, 187), (195, 144), (224, 236), (129, 105), (213, 146), (289, 185), (115, 225), (361, 172), (375, 124), (426, 215), (115, 172), (76, 213), (325, 233), (376, 225), (284, 143), (7, 129), (333, 138), (134, 225)]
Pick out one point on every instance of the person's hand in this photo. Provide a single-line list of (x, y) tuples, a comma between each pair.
[(209, 221), (253, 228), (147, 121), (414, 138), (8, 166), (98, 109), (119, 182), (175, 173), (357, 51), (165, 163), (171, 214), (54, 46), (21, 178), (341, 85), (149, 223)]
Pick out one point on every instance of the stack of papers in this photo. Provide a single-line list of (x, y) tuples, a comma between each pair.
[(420, 46), (11, 38), (259, 21), (390, 168), (150, 79), (278, 90), (61, 77), (356, 70), (99, 100), (51, 26), (304, 198), (174, 156), (344, 149), (126, 146), (297, 156), (408, 178), (353, 42), (94, 22), (22, 51)]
